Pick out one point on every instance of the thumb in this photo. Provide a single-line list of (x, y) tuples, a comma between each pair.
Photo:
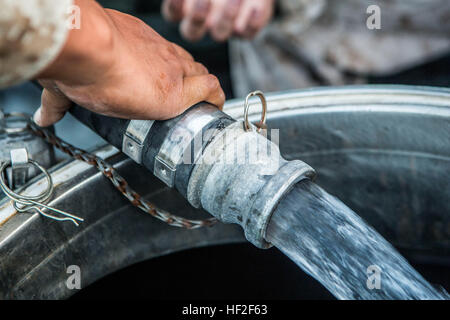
[(54, 106)]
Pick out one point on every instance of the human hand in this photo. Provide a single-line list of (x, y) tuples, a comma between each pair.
[(118, 66), (221, 18)]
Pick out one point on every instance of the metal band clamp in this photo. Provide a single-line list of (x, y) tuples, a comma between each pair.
[(133, 140)]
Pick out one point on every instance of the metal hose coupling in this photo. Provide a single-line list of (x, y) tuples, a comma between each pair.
[(227, 167), (241, 176)]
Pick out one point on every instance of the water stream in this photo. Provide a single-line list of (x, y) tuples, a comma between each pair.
[(334, 245)]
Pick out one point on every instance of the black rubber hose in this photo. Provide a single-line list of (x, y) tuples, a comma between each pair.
[(110, 129)]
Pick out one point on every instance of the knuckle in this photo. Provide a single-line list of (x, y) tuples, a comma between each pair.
[(170, 50), (180, 51), (212, 82), (198, 20), (230, 12), (172, 9), (201, 67)]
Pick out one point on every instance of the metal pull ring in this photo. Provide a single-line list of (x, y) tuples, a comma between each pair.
[(24, 203), (261, 125)]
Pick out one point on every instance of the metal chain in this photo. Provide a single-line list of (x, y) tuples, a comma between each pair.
[(119, 182)]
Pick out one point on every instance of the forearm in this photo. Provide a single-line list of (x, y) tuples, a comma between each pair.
[(87, 48), (32, 33)]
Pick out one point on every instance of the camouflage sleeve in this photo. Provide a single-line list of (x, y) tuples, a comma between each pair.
[(32, 33)]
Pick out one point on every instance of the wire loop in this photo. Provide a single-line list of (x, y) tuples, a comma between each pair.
[(23, 203)]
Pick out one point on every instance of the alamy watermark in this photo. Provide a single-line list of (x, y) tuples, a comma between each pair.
[(230, 146), (73, 20), (373, 22), (73, 281), (373, 277)]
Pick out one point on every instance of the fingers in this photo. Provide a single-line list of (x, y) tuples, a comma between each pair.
[(172, 10), (253, 16), (54, 106), (243, 19), (193, 27), (222, 18), (202, 88)]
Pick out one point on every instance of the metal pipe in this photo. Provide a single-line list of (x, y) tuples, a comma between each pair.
[(214, 161)]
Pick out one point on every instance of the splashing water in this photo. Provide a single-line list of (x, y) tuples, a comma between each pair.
[(335, 246)]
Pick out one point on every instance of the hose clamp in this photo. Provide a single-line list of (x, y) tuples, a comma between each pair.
[(182, 144), (134, 138)]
